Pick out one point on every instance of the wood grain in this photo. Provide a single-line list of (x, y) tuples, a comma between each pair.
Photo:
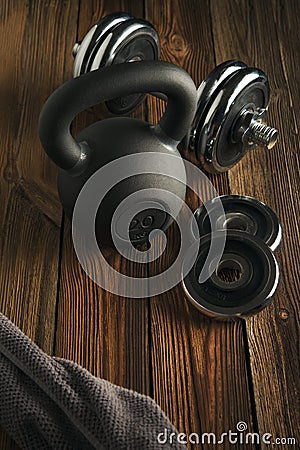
[(269, 41), (198, 365), (35, 40)]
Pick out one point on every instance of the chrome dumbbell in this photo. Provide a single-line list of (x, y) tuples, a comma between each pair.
[(231, 116), (115, 39), (232, 100)]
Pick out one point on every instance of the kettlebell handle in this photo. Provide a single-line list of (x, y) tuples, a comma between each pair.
[(105, 84)]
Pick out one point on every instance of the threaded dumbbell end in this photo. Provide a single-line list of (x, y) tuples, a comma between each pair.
[(262, 134)]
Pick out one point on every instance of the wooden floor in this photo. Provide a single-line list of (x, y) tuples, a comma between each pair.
[(206, 375)]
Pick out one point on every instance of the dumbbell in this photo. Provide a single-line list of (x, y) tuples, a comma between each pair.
[(232, 100), (247, 274)]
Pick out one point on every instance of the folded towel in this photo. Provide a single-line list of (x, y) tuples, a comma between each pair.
[(52, 403)]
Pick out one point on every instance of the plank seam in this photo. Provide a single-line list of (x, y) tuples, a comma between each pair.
[(148, 272), (250, 380), (59, 272)]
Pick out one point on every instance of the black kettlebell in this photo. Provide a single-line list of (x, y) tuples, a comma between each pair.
[(107, 140)]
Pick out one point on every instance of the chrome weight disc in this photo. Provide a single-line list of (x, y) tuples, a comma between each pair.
[(244, 281), (242, 213), (231, 92), (87, 51), (116, 39), (207, 89)]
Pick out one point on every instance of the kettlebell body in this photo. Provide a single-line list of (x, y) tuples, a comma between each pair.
[(132, 137), (114, 138)]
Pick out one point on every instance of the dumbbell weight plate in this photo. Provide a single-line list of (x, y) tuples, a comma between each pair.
[(119, 40), (256, 276), (133, 40), (212, 132), (206, 92), (87, 50), (242, 213)]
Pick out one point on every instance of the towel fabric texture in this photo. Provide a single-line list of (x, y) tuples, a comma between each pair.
[(52, 403)]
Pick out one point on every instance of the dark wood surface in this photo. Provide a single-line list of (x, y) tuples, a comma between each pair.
[(206, 375)]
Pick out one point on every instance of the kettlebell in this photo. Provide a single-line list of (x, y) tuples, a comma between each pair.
[(107, 140)]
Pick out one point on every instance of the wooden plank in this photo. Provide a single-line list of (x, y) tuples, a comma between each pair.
[(106, 334), (269, 39), (198, 364), (32, 64)]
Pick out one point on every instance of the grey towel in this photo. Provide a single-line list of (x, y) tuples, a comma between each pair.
[(52, 403)]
